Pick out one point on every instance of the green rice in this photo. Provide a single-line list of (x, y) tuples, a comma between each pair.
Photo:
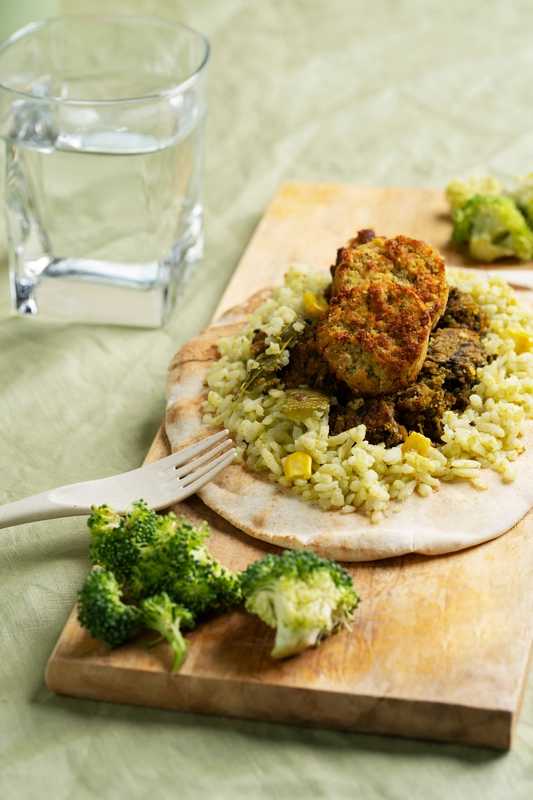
[(349, 474)]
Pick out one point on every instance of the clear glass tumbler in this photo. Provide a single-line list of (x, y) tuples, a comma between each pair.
[(103, 120)]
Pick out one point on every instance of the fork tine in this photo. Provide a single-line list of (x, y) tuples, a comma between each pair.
[(188, 479), (206, 468), (191, 466), (217, 466), (184, 455)]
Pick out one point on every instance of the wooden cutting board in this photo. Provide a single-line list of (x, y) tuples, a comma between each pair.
[(440, 646)]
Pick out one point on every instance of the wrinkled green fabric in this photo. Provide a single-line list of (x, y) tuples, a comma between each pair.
[(391, 93)]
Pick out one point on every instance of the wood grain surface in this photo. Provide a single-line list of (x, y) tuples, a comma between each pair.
[(440, 646)]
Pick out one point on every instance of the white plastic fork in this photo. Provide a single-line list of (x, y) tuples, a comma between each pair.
[(160, 485)]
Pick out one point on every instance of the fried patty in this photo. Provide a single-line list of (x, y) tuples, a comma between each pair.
[(453, 357), (445, 381), (420, 408), (462, 311), (374, 337), (404, 261), (364, 236), (378, 416)]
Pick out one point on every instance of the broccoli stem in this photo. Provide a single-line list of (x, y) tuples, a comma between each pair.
[(162, 615)]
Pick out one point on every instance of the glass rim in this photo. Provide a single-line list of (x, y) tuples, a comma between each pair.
[(134, 19)]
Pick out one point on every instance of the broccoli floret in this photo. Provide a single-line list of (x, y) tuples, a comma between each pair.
[(117, 542), (109, 546), (167, 525), (104, 519), (172, 546), (523, 196), (303, 596), (494, 228), (115, 551), (167, 618), (458, 193), (141, 522), (167, 568), (180, 564), (102, 611)]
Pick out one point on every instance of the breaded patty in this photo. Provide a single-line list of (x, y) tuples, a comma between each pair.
[(364, 236), (402, 260), (374, 337)]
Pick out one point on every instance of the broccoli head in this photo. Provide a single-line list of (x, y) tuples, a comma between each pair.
[(458, 193), (102, 612), (167, 568), (494, 228), (303, 596), (180, 564), (117, 542), (116, 551), (141, 522), (104, 519), (167, 618), (523, 196)]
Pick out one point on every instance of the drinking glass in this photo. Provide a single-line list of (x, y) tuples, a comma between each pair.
[(103, 119)]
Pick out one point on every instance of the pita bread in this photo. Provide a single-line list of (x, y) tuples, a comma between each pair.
[(453, 518)]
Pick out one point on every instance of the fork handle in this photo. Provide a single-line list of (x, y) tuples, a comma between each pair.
[(66, 501)]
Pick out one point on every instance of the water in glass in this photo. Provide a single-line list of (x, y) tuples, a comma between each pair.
[(104, 213)]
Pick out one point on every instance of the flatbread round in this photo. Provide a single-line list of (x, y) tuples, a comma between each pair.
[(455, 517)]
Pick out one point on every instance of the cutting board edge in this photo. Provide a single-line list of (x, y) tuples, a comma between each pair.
[(363, 713)]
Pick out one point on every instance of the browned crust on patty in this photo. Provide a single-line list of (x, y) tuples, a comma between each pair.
[(374, 337), (402, 260)]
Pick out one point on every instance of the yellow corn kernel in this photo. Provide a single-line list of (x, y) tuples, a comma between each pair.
[(418, 443), (298, 465), (315, 306), (523, 342)]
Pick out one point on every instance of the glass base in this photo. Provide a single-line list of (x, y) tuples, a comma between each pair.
[(141, 295)]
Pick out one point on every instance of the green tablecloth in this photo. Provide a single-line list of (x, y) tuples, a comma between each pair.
[(390, 92)]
